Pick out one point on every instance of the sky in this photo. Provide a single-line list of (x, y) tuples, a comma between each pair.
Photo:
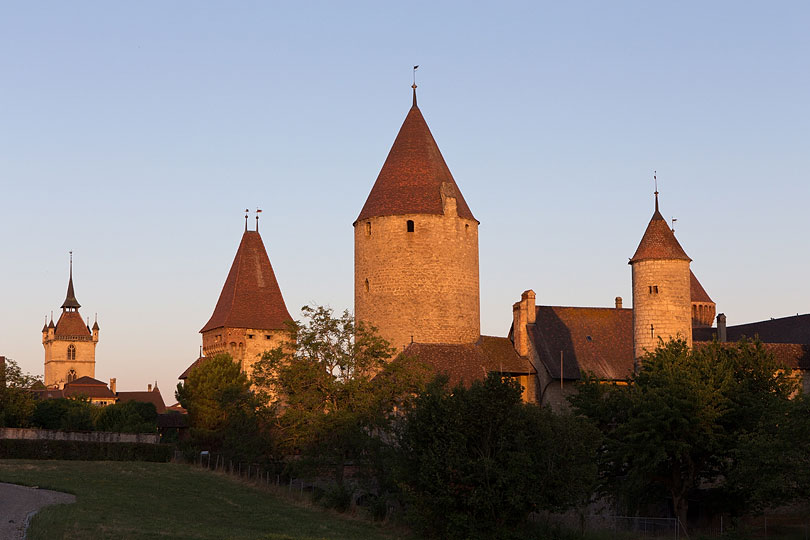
[(136, 133)]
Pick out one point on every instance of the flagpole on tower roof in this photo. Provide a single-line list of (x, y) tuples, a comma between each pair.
[(414, 84)]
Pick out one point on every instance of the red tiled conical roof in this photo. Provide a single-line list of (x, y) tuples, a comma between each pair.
[(251, 297), (410, 181), (659, 241), (697, 291)]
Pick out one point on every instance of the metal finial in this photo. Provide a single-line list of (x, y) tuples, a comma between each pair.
[(673, 224), (258, 211), (246, 218), (414, 84), (71, 264), (655, 179)]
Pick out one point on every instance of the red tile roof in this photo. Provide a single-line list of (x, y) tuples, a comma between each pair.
[(790, 355), (659, 241), (71, 324), (152, 397), (597, 340), (194, 364), (410, 181), (697, 291), (88, 387), (793, 329), (466, 363), (251, 297)]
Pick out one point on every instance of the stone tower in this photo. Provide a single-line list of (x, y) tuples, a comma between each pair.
[(662, 299), (416, 247), (70, 344), (250, 316)]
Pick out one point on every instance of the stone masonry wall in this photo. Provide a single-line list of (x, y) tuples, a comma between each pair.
[(421, 284), (245, 345), (667, 308), (57, 364)]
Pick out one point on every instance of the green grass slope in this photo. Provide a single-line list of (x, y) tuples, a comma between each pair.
[(137, 500)]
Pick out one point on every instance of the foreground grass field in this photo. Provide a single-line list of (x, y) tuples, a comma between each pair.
[(137, 500)]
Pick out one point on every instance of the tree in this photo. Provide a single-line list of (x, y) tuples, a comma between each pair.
[(16, 402), (695, 418), (69, 414), (129, 417), (224, 414), (474, 462), (335, 388)]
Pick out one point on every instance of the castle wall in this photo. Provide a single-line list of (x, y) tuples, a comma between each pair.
[(245, 345), (661, 303), (419, 286)]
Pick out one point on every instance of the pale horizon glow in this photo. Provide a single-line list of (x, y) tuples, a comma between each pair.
[(135, 135)]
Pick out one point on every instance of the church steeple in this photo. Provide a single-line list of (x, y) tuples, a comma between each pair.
[(70, 303)]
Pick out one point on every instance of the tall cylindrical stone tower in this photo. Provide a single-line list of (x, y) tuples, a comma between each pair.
[(661, 288), (416, 247)]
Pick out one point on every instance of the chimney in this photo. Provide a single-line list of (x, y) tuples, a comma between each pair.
[(721, 327), (112, 385), (523, 314), (149, 387), (618, 302)]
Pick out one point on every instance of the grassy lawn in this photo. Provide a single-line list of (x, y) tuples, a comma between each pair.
[(138, 500)]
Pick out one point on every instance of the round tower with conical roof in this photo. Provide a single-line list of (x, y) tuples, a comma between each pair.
[(416, 247), (661, 288)]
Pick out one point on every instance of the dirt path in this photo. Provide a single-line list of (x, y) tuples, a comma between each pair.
[(18, 503)]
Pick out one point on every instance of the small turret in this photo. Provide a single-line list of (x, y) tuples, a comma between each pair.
[(661, 287)]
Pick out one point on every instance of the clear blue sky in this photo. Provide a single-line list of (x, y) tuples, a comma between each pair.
[(136, 133)]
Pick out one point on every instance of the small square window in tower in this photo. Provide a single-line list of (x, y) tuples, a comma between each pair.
[(410, 225)]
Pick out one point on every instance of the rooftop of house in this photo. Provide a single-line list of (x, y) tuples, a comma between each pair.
[(465, 363)]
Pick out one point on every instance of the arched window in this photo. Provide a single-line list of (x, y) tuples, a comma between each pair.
[(71, 375), (71, 354), (410, 225)]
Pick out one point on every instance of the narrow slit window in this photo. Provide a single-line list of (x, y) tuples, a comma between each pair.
[(410, 225), (368, 228), (367, 286)]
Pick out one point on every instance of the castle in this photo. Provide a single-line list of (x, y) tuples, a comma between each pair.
[(416, 280)]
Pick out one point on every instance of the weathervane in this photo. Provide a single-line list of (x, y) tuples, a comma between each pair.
[(673, 224), (258, 211), (655, 179), (414, 84), (246, 218)]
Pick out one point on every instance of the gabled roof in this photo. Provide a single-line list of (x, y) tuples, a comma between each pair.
[(410, 181), (251, 297), (659, 241), (71, 324), (465, 363), (791, 330), (152, 397), (597, 340), (199, 361), (89, 387), (790, 355), (697, 291)]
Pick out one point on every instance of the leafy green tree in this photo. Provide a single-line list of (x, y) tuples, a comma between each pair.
[(129, 417), (16, 402), (224, 414), (695, 418), (69, 414), (475, 462), (335, 388)]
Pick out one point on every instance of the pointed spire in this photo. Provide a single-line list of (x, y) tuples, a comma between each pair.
[(251, 297), (70, 299), (414, 178), (659, 241)]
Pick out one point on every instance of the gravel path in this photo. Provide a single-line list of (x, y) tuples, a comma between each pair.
[(19, 503)]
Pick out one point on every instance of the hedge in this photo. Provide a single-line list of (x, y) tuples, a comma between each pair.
[(84, 451)]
